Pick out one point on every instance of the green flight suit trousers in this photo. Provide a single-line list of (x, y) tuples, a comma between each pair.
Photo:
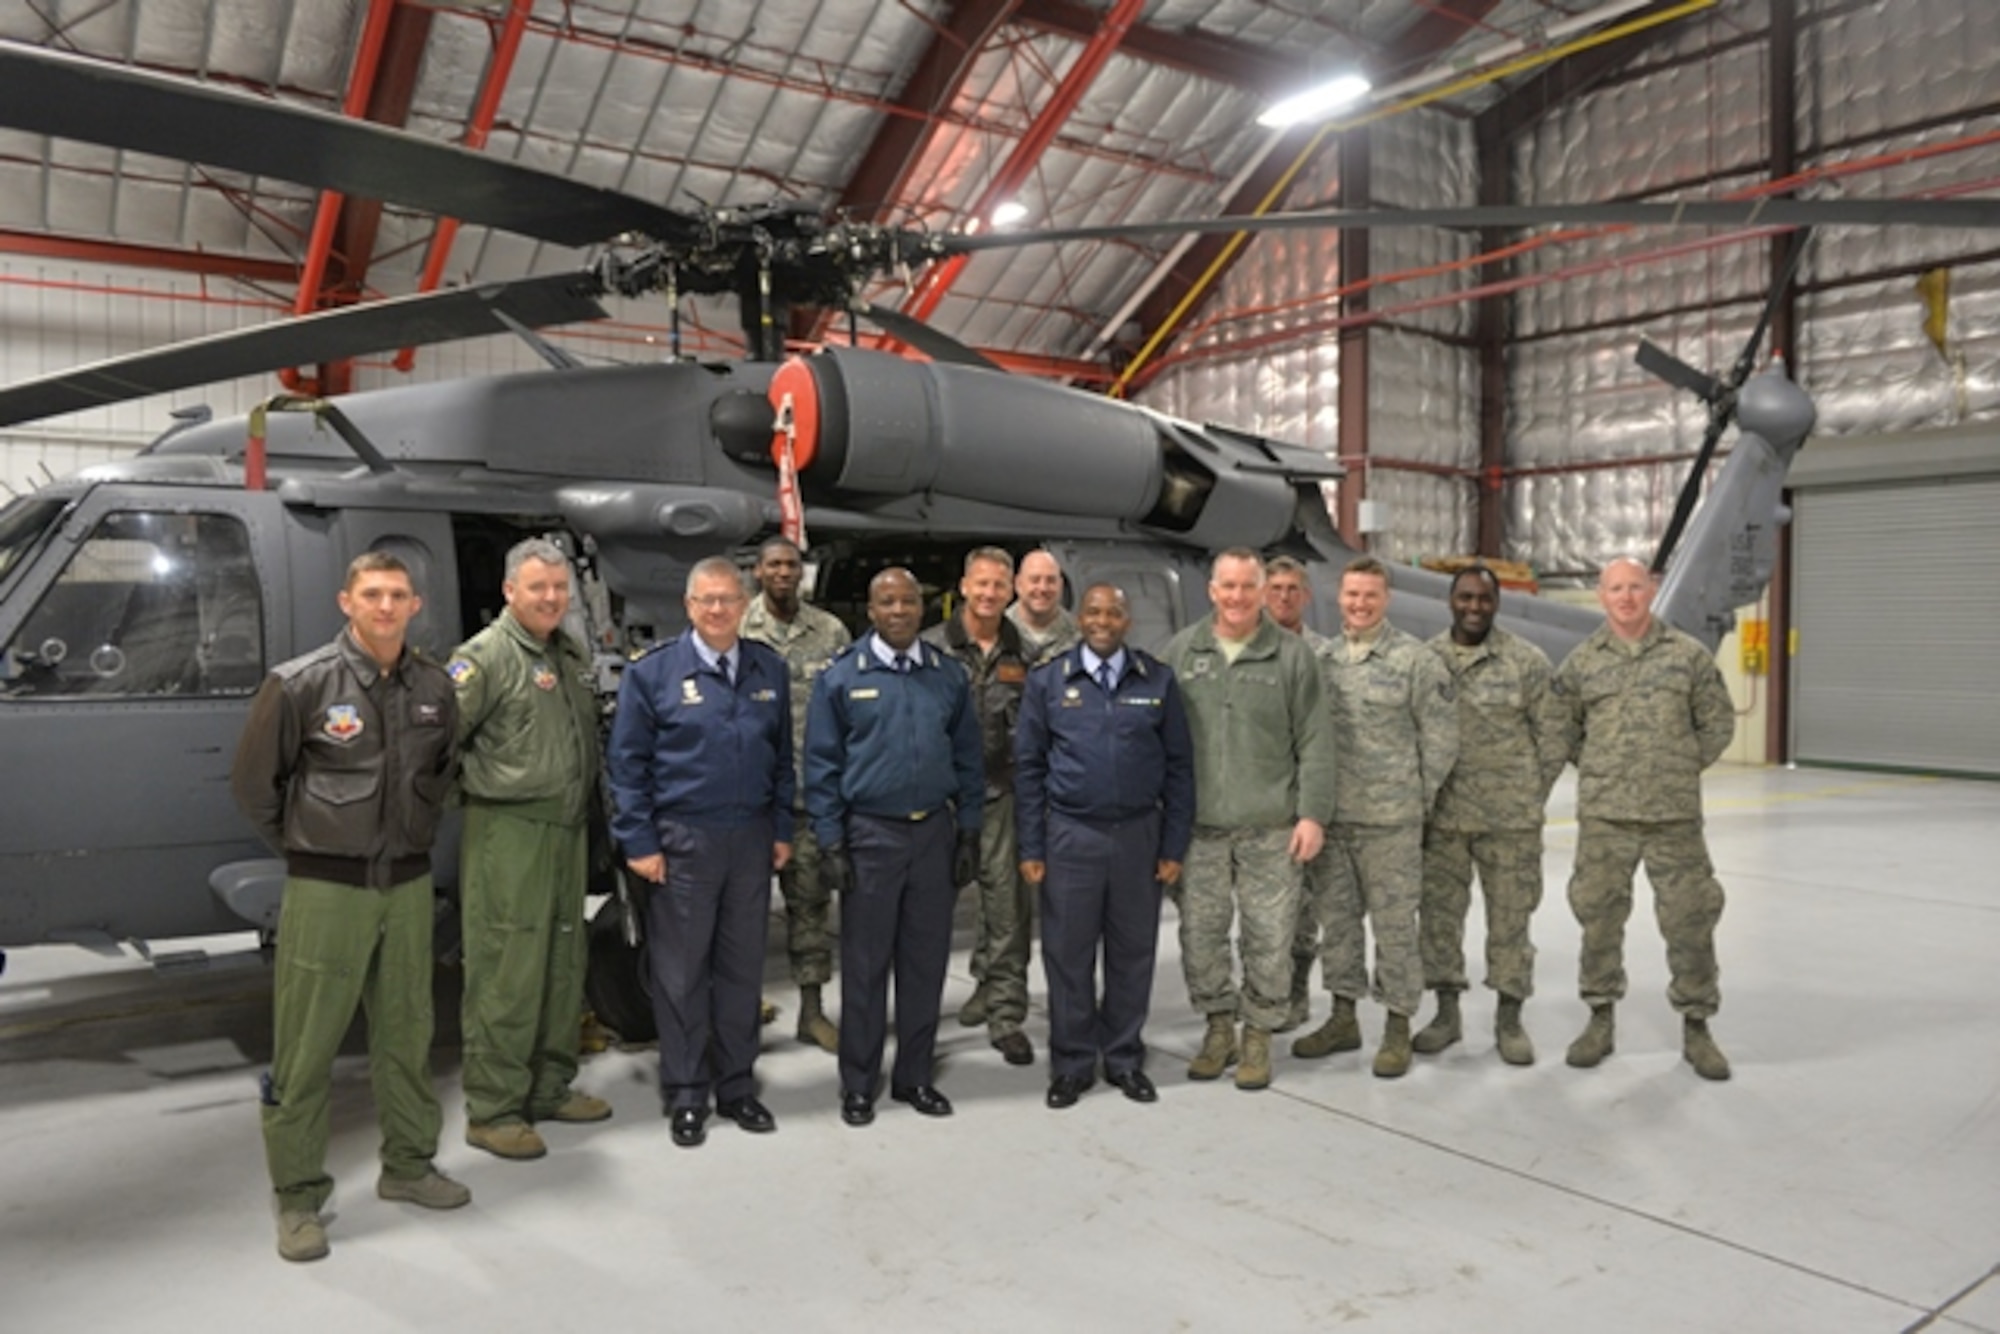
[(521, 903), (340, 947)]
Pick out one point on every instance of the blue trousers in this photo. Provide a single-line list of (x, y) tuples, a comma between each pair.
[(896, 918), (1099, 891), (705, 930)]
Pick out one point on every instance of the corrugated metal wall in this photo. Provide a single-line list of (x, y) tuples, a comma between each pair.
[(1692, 121)]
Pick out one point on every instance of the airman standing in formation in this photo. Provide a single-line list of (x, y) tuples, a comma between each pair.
[(1104, 776), (1263, 793), (527, 728), (894, 784), (1395, 737), (808, 639), (1037, 613), (344, 767), (981, 639), (701, 774), (1512, 745), (1287, 594), (1647, 711)]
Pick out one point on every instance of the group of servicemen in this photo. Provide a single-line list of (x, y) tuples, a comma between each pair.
[(1293, 793)]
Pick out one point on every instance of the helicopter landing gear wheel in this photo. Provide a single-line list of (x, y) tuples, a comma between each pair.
[(614, 984)]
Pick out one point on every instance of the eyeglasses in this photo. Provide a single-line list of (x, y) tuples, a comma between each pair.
[(712, 601)]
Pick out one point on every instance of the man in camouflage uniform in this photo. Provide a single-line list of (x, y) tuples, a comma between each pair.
[(1263, 792), (1395, 737), (808, 639), (1047, 631), (1647, 711), (1511, 747), (980, 638), (527, 734), (1287, 594)]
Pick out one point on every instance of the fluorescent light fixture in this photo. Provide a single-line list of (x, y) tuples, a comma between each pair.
[(1009, 213), (1315, 103)]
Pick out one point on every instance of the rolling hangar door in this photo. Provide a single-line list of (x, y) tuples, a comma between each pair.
[(1896, 602)]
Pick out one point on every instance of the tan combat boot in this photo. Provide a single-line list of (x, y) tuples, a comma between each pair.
[(1392, 1059), (1443, 1029), (1340, 1033), (1699, 1050), (301, 1235), (1218, 1049), (1515, 1047), (1595, 1042), (1255, 1071), (814, 1026)]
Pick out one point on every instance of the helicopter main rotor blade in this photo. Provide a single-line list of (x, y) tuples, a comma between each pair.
[(1976, 213), (932, 342), (119, 106), (410, 321)]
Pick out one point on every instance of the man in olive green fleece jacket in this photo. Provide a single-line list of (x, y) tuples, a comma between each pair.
[(529, 750), (1263, 754), (1647, 712)]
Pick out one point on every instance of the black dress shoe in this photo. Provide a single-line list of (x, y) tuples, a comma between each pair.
[(1016, 1048), (923, 1098), (1064, 1090), (690, 1126), (1135, 1084), (752, 1115), (856, 1109)]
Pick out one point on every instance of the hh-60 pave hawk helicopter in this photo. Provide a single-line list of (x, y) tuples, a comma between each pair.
[(142, 601)]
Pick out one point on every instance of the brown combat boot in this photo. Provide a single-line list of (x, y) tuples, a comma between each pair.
[(1255, 1070), (814, 1026), (1340, 1033), (1515, 1047), (1595, 1042), (1392, 1058), (1699, 1050), (1443, 1029), (1218, 1049)]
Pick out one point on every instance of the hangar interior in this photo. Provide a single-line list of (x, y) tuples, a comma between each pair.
[(1479, 387)]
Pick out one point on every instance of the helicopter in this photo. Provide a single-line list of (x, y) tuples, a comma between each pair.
[(142, 601)]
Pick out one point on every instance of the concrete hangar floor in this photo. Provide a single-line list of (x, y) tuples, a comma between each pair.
[(1848, 1178)]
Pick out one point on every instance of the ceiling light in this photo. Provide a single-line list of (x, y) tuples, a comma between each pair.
[(1009, 213), (1331, 96)]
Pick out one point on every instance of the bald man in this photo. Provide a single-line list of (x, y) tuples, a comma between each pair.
[(1647, 711)]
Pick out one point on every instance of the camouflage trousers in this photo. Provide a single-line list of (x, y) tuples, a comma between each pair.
[(807, 907), (1509, 862), (1371, 874), (1687, 900), (1005, 919), (1243, 879)]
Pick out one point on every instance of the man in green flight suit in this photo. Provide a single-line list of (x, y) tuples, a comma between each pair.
[(528, 742)]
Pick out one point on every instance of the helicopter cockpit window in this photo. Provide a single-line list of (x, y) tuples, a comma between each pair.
[(22, 524), (151, 604)]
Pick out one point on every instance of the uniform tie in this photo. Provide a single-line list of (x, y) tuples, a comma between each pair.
[(728, 664), (1104, 677), (902, 664)]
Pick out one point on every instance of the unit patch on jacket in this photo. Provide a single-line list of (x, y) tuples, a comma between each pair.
[(343, 722), (544, 676), (460, 670)]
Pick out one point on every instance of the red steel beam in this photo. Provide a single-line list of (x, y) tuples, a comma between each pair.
[(1430, 36), (312, 276), (121, 255), (485, 110), (1238, 64), (1028, 152)]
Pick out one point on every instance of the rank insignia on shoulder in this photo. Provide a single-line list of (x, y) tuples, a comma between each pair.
[(544, 676), (460, 670), (343, 722)]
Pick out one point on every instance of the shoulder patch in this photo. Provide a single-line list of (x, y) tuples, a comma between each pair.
[(460, 670)]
